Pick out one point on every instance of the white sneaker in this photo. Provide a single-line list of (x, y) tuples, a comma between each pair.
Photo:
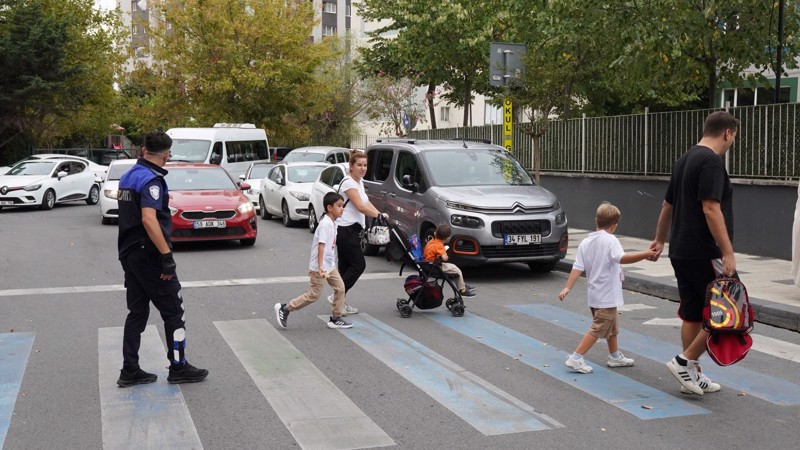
[(622, 361), (330, 299), (349, 310), (578, 365), (703, 381), (686, 375)]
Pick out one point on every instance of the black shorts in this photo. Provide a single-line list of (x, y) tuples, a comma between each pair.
[(693, 277)]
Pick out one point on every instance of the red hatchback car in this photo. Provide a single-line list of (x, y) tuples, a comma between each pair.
[(207, 205)]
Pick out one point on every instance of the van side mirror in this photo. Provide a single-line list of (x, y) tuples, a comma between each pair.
[(408, 183)]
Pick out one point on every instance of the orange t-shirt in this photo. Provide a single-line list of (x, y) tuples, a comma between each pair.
[(434, 248)]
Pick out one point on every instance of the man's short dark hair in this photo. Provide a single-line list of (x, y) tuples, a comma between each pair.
[(157, 142), (443, 231), (330, 199), (717, 122)]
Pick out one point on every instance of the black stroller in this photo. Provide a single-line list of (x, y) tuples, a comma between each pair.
[(425, 290)]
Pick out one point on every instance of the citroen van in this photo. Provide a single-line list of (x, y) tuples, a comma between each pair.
[(234, 146)]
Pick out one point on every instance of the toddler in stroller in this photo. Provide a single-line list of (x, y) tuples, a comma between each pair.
[(424, 290)]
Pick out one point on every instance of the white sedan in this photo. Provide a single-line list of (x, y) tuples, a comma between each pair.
[(286, 190), (328, 181), (97, 169), (109, 207), (253, 176), (44, 183)]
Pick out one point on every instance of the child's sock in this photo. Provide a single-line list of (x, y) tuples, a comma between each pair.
[(616, 355), (576, 356)]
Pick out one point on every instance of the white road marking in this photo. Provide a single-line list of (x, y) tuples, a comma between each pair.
[(634, 307), (675, 321), (186, 284)]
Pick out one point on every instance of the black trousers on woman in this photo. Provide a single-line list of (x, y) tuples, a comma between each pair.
[(351, 258)]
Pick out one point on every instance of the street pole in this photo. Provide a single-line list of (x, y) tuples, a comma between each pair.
[(779, 64)]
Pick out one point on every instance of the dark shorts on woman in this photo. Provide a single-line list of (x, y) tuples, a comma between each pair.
[(693, 276)]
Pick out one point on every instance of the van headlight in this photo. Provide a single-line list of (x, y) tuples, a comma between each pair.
[(466, 221), (561, 218), (32, 187), (245, 208), (302, 196)]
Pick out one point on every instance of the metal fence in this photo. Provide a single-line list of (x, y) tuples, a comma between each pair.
[(648, 144)]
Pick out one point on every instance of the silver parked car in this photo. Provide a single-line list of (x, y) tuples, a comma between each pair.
[(497, 212)]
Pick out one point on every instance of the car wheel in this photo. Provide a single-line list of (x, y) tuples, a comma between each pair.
[(94, 195), (287, 220), (106, 220), (49, 200), (312, 219), (428, 233), (247, 242), (262, 209), (542, 267)]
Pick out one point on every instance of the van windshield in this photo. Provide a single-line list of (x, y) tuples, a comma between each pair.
[(189, 150), (475, 167)]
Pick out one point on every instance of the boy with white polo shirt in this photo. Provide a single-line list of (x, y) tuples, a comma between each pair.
[(600, 256)]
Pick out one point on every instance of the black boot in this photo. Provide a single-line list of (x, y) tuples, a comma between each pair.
[(186, 373), (134, 377)]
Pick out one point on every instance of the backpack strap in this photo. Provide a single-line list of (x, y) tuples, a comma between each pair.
[(339, 191)]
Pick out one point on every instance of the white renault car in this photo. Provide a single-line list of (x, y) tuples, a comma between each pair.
[(253, 176), (45, 182), (328, 181), (109, 208), (286, 190)]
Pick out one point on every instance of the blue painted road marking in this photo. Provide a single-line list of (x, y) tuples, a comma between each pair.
[(482, 405), (607, 385), (765, 387), (15, 348)]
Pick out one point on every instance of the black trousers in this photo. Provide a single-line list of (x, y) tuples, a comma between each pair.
[(351, 258), (144, 284)]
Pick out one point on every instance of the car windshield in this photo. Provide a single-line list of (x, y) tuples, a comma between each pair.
[(296, 156), (304, 174), (190, 150), (259, 171), (475, 167), (115, 171), (32, 168), (193, 179)]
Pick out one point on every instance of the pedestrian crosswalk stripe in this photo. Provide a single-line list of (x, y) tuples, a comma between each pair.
[(482, 405), (776, 347), (15, 348), (771, 389), (144, 416), (308, 403), (610, 386)]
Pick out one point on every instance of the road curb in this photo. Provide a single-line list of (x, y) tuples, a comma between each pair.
[(766, 312)]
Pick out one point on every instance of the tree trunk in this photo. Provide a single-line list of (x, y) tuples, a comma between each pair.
[(431, 108), (712, 84)]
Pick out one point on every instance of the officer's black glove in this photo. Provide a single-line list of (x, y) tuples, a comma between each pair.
[(168, 265)]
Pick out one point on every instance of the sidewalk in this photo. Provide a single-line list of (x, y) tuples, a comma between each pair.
[(769, 283)]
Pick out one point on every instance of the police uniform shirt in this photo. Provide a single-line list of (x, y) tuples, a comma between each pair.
[(143, 186)]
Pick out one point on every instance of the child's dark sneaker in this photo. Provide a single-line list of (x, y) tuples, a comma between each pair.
[(281, 313), (186, 373), (468, 292), (338, 322), (134, 377)]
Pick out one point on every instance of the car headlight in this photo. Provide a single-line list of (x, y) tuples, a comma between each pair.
[(466, 221), (173, 211), (252, 191), (561, 218), (245, 208), (111, 193), (302, 196), (32, 187)]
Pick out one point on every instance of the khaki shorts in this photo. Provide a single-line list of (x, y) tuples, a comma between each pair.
[(604, 323)]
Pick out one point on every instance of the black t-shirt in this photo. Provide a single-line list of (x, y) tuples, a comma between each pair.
[(698, 175)]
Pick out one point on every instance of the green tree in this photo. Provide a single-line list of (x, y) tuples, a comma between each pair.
[(59, 61), (390, 100)]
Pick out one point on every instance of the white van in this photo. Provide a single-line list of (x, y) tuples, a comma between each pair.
[(231, 145)]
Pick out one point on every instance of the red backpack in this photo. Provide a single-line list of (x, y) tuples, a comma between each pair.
[(728, 317)]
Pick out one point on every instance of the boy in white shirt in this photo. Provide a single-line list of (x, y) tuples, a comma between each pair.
[(322, 267), (600, 256)]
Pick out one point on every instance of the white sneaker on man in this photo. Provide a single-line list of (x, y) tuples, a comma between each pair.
[(686, 375), (703, 381)]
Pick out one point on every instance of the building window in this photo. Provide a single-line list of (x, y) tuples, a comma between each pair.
[(328, 30), (138, 29), (347, 10), (750, 96), (444, 113), (329, 7)]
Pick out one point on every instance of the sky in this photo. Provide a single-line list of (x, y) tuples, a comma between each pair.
[(105, 4)]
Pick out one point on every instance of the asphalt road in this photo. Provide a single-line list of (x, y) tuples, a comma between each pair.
[(60, 286)]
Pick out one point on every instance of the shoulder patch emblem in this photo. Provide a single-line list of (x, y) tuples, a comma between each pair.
[(155, 192)]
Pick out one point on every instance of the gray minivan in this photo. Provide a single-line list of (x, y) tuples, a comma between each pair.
[(497, 212)]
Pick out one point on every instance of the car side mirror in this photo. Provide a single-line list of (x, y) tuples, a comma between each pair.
[(215, 159), (98, 180), (245, 186), (408, 183), (241, 177), (61, 174)]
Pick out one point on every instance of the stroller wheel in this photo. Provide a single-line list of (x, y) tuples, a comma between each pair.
[(458, 310), (405, 311), (401, 302), (450, 302)]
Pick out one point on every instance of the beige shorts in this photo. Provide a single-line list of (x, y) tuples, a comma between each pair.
[(604, 323)]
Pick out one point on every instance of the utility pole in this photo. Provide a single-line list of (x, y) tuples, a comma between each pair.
[(779, 63)]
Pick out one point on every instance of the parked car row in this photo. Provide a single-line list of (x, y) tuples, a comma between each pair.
[(44, 182)]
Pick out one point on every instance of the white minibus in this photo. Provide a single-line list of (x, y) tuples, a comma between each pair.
[(231, 145)]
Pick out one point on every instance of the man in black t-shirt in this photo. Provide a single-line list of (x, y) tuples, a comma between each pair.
[(698, 206)]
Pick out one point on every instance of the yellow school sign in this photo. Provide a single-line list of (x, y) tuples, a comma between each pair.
[(507, 124)]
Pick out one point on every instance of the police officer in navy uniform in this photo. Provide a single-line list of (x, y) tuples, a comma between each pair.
[(145, 251)]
